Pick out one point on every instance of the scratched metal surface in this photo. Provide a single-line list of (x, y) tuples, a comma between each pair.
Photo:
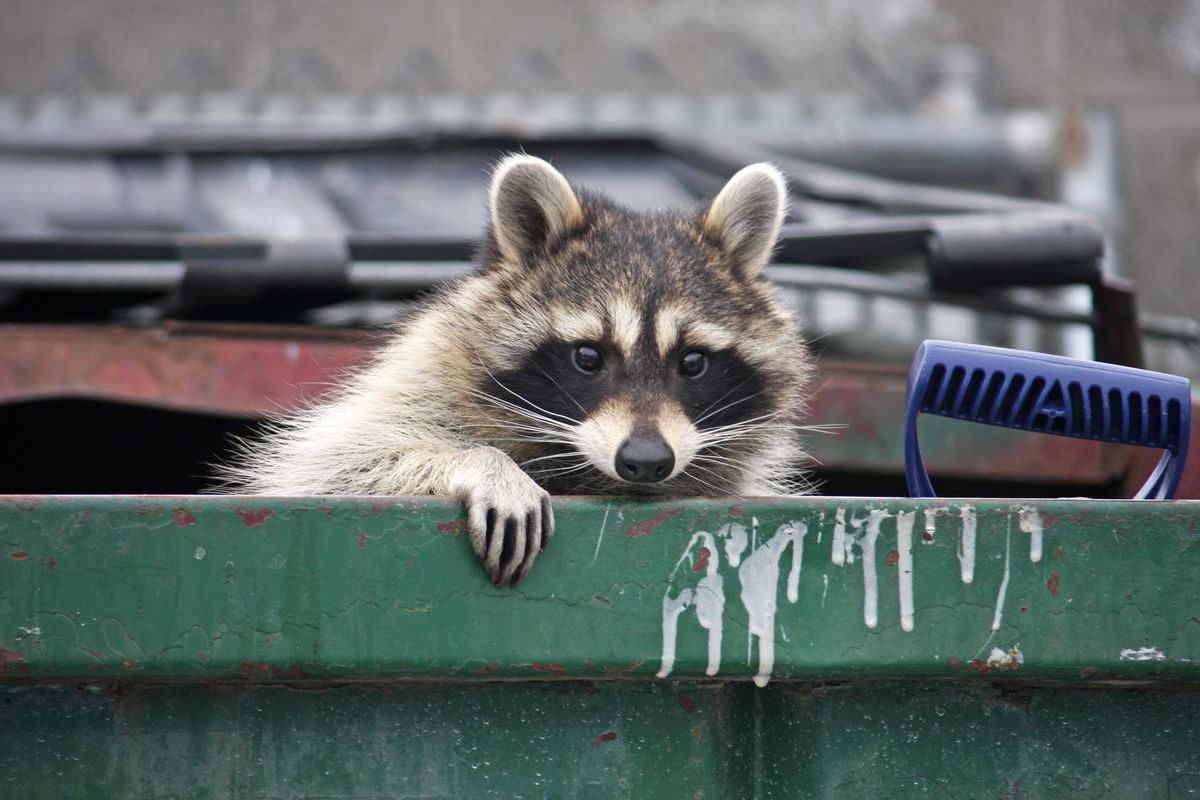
[(146, 589), (589, 740), (234, 647)]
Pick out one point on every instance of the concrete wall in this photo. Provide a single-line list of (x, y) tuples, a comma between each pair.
[(1139, 59)]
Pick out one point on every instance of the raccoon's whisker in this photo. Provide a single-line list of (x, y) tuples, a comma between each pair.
[(727, 406), (706, 415), (542, 434), (519, 411), (522, 399), (760, 417), (741, 434), (559, 471), (560, 388), (738, 428), (746, 469), (553, 456), (499, 441), (712, 472), (827, 427), (716, 459), (716, 490)]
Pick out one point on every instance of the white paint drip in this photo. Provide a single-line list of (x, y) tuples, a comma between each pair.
[(839, 537), (904, 529), (1142, 654), (870, 577), (931, 515), (1031, 522), (710, 613), (999, 615), (759, 576), (852, 539), (710, 600), (600, 538), (825, 590), (966, 544), (672, 608), (793, 585), (735, 542)]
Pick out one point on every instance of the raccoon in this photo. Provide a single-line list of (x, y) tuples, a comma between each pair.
[(598, 350)]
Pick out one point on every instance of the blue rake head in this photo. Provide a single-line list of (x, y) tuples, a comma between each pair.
[(1049, 394)]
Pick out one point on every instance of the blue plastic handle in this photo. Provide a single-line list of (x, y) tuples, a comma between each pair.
[(1049, 394)]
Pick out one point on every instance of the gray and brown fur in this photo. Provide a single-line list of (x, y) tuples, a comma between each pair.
[(479, 396)]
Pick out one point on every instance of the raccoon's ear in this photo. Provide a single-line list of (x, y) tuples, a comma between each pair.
[(746, 215), (532, 205)]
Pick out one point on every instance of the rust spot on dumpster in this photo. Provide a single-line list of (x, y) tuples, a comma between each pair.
[(51, 563), (183, 517), (649, 526), (252, 668), (893, 558), (998, 660), (10, 657), (607, 736), (129, 664), (702, 561), (625, 670), (18, 555), (96, 654), (362, 539), (1052, 583), (734, 511), (603, 599), (953, 662), (253, 517), (686, 703), (202, 656), (453, 528), (552, 667), (487, 669)]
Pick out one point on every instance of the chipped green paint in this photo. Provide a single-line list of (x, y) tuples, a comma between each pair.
[(256, 589), (235, 647)]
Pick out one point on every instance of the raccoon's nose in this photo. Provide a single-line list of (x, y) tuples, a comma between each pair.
[(645, 459)]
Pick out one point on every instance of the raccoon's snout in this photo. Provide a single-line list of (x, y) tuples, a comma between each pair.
[(645, 459)]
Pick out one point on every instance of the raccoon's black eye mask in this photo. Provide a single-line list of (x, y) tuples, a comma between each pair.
[(570, 380), (723, 390)]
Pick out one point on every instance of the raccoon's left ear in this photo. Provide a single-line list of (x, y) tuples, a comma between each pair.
[(532, 205), (746, 216)]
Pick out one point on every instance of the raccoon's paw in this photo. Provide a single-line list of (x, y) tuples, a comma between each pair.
[(510, 522)]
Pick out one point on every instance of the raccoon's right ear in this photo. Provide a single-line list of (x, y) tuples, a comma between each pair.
[(532, 205), (745, 217)]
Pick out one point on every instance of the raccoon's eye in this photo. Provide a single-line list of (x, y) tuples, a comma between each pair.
[(588, 359), (692, 364)]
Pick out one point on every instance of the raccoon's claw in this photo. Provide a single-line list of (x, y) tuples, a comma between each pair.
[(508, 529)]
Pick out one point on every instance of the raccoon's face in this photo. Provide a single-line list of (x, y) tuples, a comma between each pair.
[(639, 352)]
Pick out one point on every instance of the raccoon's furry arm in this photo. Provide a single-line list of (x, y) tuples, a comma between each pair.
[(401, 442)]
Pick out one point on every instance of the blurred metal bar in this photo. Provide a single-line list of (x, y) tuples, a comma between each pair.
[(101, 276)]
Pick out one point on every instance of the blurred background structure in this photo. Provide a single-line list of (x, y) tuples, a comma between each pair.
[(165, 161), (1138, 61)]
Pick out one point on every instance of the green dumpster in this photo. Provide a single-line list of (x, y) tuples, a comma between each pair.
[(155, 647)]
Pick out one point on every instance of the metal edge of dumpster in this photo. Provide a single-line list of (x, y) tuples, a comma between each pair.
[(264, 647)]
